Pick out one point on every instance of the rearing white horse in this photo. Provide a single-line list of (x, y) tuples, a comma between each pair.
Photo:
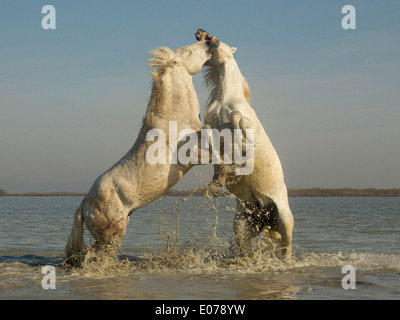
[(133, 182), (262, 199)]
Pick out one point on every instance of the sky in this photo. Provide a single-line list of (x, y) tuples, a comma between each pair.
[(72, 99)]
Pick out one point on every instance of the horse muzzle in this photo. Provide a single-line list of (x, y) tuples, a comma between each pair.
[(203, 35)]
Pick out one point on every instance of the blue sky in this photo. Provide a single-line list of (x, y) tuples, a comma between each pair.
[(72, 99)]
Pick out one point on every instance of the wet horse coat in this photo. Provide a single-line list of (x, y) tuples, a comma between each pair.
[(262, 200), (133, 182)]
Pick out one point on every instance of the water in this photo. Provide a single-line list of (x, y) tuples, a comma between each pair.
[(179, 248)]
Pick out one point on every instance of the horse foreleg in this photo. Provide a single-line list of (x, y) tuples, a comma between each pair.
[(240, 123), (200, 152)]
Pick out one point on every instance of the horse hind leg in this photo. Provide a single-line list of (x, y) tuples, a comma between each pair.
[(285, 230), (276, 222), (110, 238), (104, 251), (107, 222), (282, 230), (245, 229)]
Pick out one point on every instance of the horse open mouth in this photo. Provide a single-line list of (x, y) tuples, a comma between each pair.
[(202, 35)]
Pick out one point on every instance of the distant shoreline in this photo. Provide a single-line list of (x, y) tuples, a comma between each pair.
[(44, 194), (310, 192)]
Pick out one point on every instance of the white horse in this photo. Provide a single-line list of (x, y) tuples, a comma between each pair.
[(262, 199), (133, 182)]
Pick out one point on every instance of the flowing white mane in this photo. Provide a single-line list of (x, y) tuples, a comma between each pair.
[(212, 78), (161, 57), (161, 60)]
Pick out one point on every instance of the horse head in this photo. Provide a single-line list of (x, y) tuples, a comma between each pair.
[(192, 57), (220, 51)]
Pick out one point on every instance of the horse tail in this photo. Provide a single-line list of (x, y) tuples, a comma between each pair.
[(74, 247)]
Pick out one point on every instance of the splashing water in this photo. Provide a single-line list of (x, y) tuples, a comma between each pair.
[(182, 248)]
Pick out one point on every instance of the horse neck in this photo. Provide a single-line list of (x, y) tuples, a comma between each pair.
[(179, 98), (230, 80), (170, 101)]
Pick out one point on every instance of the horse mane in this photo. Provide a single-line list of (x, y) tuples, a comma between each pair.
[(246, 90), (161, 59), (211, 80)]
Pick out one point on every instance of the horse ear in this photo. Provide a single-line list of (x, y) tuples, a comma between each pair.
[(175, 61), (233, 49)]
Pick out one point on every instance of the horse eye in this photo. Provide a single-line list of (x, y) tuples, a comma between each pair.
[(190, 52)]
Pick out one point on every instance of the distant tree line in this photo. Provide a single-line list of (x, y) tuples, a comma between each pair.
[(3, 193), (311, 192), (344, 192)]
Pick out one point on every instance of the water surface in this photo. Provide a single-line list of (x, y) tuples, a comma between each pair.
[(180, 248)]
